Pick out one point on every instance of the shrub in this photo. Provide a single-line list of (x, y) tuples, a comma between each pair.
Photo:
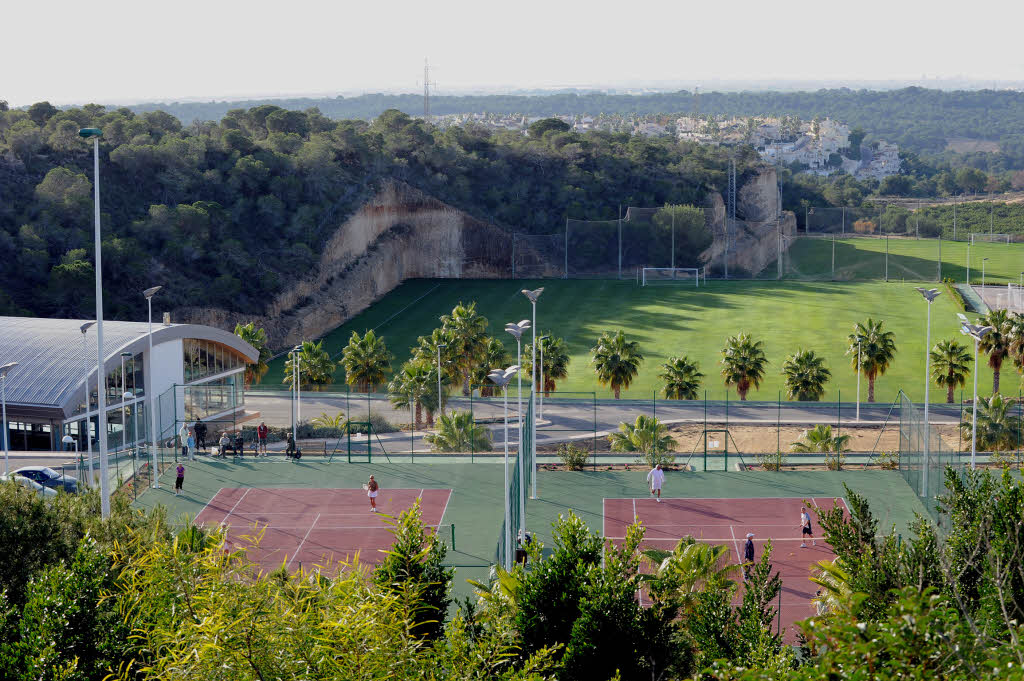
[(954, 294), (574, 458), (888, 461), (834, 461), (773, 461)]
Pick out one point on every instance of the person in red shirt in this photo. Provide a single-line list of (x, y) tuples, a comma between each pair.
[(261, 438)]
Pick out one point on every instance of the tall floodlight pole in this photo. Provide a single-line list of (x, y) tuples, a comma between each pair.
[(440, 404), (128, 395), (295, 375), (88, 419), (540, 412), (858, 377), (517, 331), (533, 296), (101, 375), (983, 261), (968, 263), (149, 293), (929, 295), (977, 333), (3, 395), (501, 378), (124, 407), (298, 384)]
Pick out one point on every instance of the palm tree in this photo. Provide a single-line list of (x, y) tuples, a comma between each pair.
[(315, 365), (682, 378), (616, 360), (743, 363), (416, 383), (997, 342), (835, 594), (951, 364), (690, 567), (258, 339), (821, 439), (457, 432), (494, 355), (998, 426), (647, 436), (468, 331), (877, 350), (556, 361), (366, 360), (325, 420), (426, 351), (806, 376)]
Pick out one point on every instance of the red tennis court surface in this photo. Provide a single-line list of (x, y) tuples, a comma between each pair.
[(315, 526), (727, 521)]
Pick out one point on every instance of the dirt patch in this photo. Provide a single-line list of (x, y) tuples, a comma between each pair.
[(966, 145)]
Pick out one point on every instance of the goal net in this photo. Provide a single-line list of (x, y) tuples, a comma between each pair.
[(650, 276), (996, 238)]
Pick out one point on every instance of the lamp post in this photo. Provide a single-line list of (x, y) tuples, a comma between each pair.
[(124, 407), (983, 261), (501, 378), (929, 295), (298, 383), (295, 384), (68, 440), (440, 404), (533, 296), (101, 375), (88, 419), (128, 395), (977, 333), (517, 331), (858, 377), (3, 395), (149, 293), (540, 412), (968, 262)]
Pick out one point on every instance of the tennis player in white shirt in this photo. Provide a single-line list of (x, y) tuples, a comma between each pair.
[(655, 479)]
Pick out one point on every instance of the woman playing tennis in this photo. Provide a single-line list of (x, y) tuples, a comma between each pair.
[(371, 488)]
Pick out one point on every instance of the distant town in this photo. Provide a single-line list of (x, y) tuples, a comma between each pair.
[(820, 146)]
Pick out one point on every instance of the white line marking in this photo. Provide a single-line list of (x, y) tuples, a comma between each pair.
[(323, 527), (418, 496), (445, 509), (209, 502), (736, 545), (634, 511), (723, 540), (236, 504), (844, 504), (706, 498), (303, 541)]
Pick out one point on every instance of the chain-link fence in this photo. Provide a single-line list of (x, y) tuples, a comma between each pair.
[(519, 475), (924, 456)]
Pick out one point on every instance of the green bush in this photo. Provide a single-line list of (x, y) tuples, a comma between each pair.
[(954, 294), (773, 461), (834, 461), (574, 458)]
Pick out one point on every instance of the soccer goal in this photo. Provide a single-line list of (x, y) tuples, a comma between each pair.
[(995, 238), (651, 276)]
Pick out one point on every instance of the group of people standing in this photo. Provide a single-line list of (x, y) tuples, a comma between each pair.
[(193, 438)]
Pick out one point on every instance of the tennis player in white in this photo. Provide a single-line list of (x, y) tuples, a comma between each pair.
[(655, 479)]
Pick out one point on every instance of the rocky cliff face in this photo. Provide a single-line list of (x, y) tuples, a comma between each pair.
[(753, 241), (400, 234)]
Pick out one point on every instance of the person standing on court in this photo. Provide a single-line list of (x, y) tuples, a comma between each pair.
[(183, 436), (200, 431), (262, 432), (748, 550), (191, 447), (805, 528), (179, 480), (655, 479), (371, 491)]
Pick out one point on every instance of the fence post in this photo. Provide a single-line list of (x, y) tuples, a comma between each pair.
[(620, 241), (654, 404), (833, 257), (566, 276), (887, 257), (778, 427), (594, 458), (940, 258)]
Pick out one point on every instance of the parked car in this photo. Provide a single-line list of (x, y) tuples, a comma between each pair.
[(44, 492), (47, 477)]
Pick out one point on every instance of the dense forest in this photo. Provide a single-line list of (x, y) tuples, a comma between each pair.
[(920, 120), (225, 214)]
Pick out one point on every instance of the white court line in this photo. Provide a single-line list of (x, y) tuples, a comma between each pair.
[(444, 510), (323, 527), (210, 501), (236, 504), (302, 542), (739, 558), (706, 498), (634, 511), (723, 540)]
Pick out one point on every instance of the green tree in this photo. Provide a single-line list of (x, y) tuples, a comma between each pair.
[(544, 125), (999, 428), (616, 360), (691, 566), (415, 383), (647, 436), (682, 378), (315, 365), (493, 356), (821, 439), (468, 333), (950, 365), (996, 344), (743, 363), (556, 361), (877, 351), (806, 376), (441, 343), (366, 361), (257, 338), (458, 432)]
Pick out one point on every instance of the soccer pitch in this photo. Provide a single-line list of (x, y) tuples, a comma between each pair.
[(667, 321)]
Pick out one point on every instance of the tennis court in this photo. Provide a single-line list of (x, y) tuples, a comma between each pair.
[(298, 527), (727, 522)]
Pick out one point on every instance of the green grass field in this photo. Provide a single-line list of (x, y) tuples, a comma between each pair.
[(667, 321), (859, 259)]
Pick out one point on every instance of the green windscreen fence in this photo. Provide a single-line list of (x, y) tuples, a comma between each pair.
[(924, 457), (520, 479)]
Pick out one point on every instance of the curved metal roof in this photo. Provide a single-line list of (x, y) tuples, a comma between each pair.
[(50, 356)]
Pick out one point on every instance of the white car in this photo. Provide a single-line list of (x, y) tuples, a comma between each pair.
[(45, 492)]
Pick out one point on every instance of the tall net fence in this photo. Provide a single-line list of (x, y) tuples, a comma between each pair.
[(593, 248), (923, 458), (520, 478)]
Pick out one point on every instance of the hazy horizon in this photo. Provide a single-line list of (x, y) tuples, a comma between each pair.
[(134, 53)]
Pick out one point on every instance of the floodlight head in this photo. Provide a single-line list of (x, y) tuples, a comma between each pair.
[(126, 354), (86, 133), (962, 317), (442, 345), (533, 295), (514, 330), (929, 294), (7, 367), (543, 338), (976, 331), (297, 348), (127, 396), (85, 327), (68, 440), (501, 377), (150, 292)]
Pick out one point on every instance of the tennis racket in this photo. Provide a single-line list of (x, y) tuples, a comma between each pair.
[(366, 488)]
